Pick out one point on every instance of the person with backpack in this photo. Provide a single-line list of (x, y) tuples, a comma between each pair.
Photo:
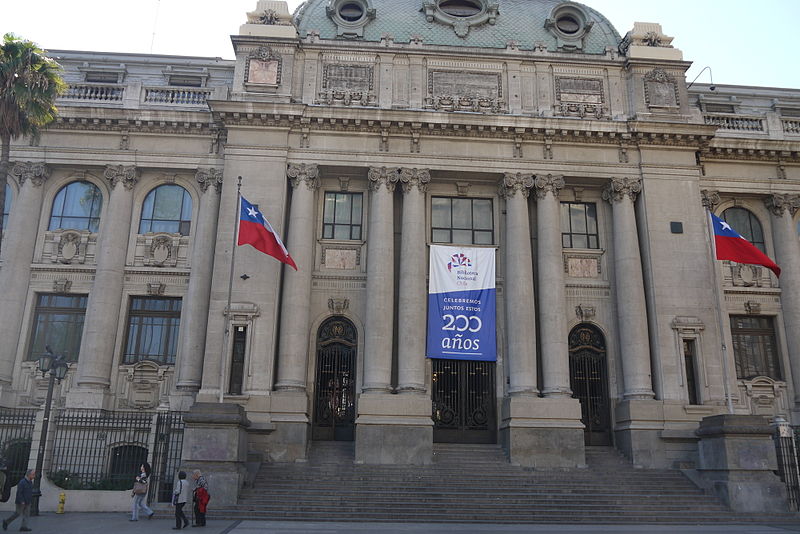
[(179, 498)]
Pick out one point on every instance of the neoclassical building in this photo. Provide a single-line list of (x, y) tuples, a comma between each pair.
[(366, 131)]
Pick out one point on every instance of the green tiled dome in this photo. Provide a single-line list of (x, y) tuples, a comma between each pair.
[(521, 21)]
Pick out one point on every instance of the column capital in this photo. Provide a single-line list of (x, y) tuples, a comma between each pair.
[(710, 199), (414, 177), (382, 175), (548, 183), (618, 188), (126, 175), (36, 172), (208, 177), (516, 182), (307, 173), (779, 203)]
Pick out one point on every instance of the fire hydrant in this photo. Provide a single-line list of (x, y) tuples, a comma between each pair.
[(62, 499)]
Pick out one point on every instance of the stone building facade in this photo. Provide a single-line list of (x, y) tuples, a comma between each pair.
[(367, 130)]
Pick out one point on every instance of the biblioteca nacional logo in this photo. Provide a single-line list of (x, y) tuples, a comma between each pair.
[(461, 266)]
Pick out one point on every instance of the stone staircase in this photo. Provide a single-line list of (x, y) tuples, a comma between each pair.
[(476, 484)]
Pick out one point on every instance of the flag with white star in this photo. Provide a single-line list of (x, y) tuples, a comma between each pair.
[(256, 231), (733, 247)]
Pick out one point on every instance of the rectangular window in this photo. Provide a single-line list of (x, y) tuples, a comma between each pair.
[(754, 347), (58, 322), (341, 217), (463, 221), (579, 225), (689, 365), (236, 380), (153, 325)]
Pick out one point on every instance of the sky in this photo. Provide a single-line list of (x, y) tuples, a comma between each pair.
[(742, 41)]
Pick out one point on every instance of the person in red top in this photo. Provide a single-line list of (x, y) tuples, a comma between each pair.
[(200, 497)]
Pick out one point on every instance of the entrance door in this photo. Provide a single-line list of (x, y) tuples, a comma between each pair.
[(463, 394), (334, 397), (589, 382)]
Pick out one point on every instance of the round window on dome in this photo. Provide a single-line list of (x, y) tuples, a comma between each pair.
[(460, 8), (351, 12), (568, 24)]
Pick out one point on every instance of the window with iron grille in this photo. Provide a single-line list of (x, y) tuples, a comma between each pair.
[(754, 347), (58, 322), (153, 324), (341, 217), (167, 208), (463, 221), (747, 225), (579, 225)]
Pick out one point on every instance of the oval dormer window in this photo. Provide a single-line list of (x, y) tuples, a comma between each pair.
[(351, 12), (568, 24), (460, 8)]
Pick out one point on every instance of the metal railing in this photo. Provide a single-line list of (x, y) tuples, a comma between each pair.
[(166, 455), (16, 431), (786, 440)]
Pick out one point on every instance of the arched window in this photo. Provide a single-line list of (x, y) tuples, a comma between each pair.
[(77, 207), (167, 208), (7, 206), (746, 224), (124, 465)]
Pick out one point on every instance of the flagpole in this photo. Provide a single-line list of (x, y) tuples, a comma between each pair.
[(227, 335), (719, 292)]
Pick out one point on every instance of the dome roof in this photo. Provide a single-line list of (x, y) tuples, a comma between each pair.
[(554, 24)]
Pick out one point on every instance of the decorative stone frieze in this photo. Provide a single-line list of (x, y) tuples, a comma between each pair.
[(304, 173), (710, 199), (548, 183), (383, 176), (36, 172), (208, 177), (580, 97), (619, 188), (779, 203), (512, 183), (126, 175), (419, 178)]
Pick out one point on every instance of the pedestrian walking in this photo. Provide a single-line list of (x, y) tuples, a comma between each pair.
[(139, 493), (200, 498), (179, 498), (23, 501)]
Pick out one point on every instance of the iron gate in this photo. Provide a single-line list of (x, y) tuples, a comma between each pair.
[(589, 382), (463, 394), (334, 397), (786, 440), (166, 455)]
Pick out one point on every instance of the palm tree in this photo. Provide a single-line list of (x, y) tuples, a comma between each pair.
[(30, 82)]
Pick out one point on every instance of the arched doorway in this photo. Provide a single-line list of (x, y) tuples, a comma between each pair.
[(588, 378), (334, 397)]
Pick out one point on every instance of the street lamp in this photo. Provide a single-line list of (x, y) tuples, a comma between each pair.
[(57, 368)]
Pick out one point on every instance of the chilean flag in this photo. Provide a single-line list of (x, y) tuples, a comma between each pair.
[(255, 230), (731, 246)]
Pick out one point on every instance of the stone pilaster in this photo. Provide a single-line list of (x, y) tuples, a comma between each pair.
[(629, 289), (99, 339), (552, 319), (18, 247), (787, 255), (194, 321)]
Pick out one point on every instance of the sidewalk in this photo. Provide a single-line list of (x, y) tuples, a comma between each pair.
[(117, 523)]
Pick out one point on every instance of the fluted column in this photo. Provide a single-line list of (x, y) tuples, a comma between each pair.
[(787, 256), (103, 308), (518, 287), (380, 281), (552, 300), (296, 300), (629, 289), (413, 298), (194, 321), (18, 247)]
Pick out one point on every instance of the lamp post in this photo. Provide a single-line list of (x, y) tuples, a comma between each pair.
[(57, 368)]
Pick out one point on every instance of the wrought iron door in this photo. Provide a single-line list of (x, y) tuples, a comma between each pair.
[(334, 397), (463, 402), (589, 382)]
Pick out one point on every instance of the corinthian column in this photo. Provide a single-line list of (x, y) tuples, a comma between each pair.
[(194, 321), (380, 281), (413, 298), (552, 301), (787, 252), (103, 308), (18, 246), (518, 288), (629, 289), (296, 300)]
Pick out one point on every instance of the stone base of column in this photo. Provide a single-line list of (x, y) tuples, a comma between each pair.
[(637, 433), (181, 400), (8, 397), (394, 429), (737, 461), (215, 441), (98, 399), (542, 432), (289, 414)]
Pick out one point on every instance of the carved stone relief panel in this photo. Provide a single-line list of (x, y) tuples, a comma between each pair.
[(579, 97), (660, 90), (143, 385), (347, 84), (465, 91), (582, 265), (263, 67), (161, 250), (764, 396), (70, 247), (341, 257)]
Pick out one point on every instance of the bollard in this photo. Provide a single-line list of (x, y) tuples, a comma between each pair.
[(62, 499)]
